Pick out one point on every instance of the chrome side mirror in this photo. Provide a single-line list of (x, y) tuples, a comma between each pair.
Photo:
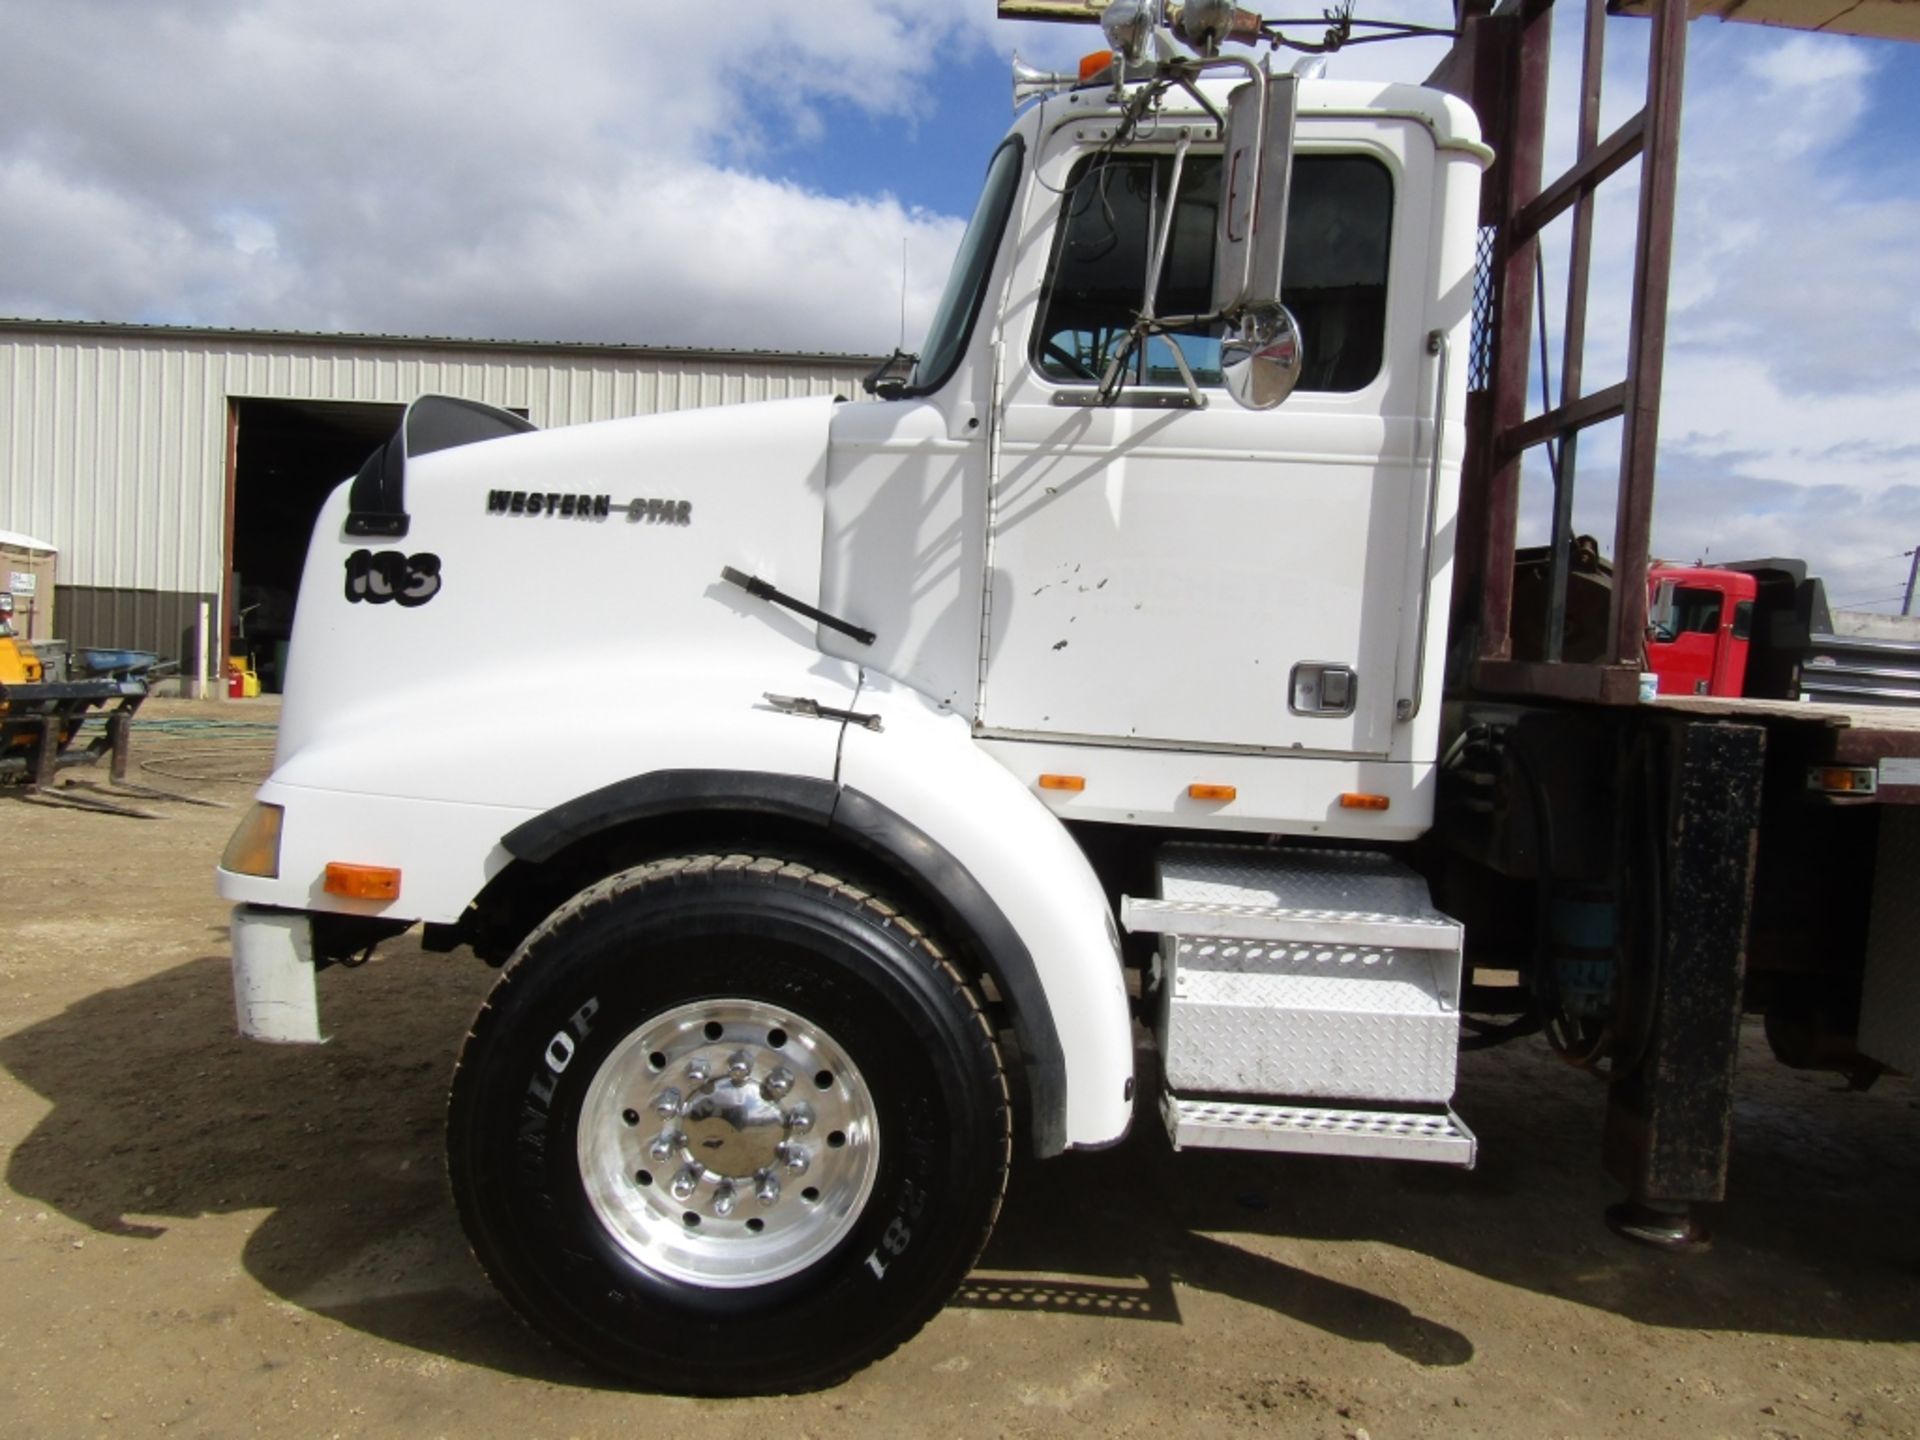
[(1262, 360)]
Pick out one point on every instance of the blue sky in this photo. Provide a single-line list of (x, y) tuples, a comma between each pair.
[(932, 160), (646, 174)]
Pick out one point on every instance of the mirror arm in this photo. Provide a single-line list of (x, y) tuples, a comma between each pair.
[(1110, 381), (1186, 84), (1186, 375), (1144, 323), (1158, 262)]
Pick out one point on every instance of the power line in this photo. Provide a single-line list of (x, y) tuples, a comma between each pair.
[(1869, 599)]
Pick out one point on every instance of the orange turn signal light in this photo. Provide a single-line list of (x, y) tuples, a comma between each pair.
[(1063, 782), (1211, 792), (362, 882), (1353, 800), (1093, 66)]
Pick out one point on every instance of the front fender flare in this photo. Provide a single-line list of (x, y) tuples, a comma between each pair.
[(923, 766), (942, 881)]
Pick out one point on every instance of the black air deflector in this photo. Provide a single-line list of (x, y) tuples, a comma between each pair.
[(377, 503)]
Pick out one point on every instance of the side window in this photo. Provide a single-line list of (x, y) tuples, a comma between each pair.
[(1696, 612), (1339, 221)]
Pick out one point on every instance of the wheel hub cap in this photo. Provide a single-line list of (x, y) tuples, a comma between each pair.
[(728, 1143)]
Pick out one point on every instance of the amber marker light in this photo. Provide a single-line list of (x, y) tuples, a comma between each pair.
[(255, 846), (1071, 783), (1211, 792), (362, 882), (1093, 66), (1353, 800), (1842, 780)]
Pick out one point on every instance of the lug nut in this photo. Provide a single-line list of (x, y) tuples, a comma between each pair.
[(768, 1187), (723, 1199), (665, 1144), (698, 1069), (740, 1067), (668, 1103), (796, 1157), (685, 1183), (777, 1084), (800, 1119)]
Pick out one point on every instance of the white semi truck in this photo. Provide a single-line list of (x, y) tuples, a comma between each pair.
[(913, 747)]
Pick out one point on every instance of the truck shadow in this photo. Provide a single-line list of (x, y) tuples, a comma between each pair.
[(158, 1115), (1814, 1241)]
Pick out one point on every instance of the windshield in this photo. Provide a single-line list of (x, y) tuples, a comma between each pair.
[(967, 284)]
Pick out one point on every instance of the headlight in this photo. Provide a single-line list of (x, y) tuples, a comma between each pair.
[(255, 846)]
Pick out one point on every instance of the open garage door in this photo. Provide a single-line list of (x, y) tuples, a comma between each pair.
[(288, 457)]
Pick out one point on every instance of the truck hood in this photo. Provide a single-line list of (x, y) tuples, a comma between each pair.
[(579, 565)]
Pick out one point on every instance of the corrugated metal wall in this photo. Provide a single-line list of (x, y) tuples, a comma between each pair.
[(113, 439)]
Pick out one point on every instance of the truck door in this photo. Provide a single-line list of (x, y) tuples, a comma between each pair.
[(1687, 650), (1171, 574)]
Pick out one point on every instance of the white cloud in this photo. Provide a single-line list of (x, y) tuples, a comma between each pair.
[(573, 171), (1809, 62)]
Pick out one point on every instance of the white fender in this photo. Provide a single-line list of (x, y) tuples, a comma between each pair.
[(380, 789), (922, 764)]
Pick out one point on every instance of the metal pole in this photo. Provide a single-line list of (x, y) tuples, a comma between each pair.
[(201, 641), (1913, 572), (1573, 352), (1523, 117), (1646, 345)]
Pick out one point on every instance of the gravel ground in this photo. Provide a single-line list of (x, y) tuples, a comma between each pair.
[(200, 1236)]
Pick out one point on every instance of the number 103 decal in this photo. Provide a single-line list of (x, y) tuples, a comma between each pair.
[(899, 1232), (379, 576)]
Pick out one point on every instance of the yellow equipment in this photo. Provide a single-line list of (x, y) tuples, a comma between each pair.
[(18, 664)]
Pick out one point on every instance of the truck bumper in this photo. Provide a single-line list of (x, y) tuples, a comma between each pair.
[(274, 994)]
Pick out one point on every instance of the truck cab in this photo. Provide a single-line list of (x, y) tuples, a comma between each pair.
[(1699, 627), (1115, 585)]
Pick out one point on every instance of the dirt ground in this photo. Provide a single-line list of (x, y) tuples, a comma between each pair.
[(202, 1236)]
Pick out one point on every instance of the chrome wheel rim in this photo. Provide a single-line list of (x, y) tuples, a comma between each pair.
[(728, 1143)]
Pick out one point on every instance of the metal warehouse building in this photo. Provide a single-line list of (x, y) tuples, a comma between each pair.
[(172, 466)]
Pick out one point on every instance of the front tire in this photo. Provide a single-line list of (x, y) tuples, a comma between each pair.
[(729, 1126)]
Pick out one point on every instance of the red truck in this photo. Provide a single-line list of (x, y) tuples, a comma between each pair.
[(1699, 626), (1762, 629)]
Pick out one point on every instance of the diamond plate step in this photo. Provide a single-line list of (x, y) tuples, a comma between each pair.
[(1324, 975), (1328, 897), (1309, 927), (1437, 1136)]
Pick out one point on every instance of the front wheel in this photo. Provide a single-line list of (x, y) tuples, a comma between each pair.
[(729, 1126)]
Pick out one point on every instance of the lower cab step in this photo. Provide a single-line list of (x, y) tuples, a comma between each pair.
[(1311, 997), (1433, 1135)]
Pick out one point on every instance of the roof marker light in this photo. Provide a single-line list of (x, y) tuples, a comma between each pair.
[(1353, 800), (1063, 782)]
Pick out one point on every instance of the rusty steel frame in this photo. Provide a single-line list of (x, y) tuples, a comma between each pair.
[(1502, 67)]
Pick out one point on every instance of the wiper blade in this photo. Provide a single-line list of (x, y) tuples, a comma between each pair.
[(890, 376), (761, 590)]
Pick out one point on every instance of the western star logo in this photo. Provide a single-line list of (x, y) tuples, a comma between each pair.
[(533, 502), (553, 504)]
